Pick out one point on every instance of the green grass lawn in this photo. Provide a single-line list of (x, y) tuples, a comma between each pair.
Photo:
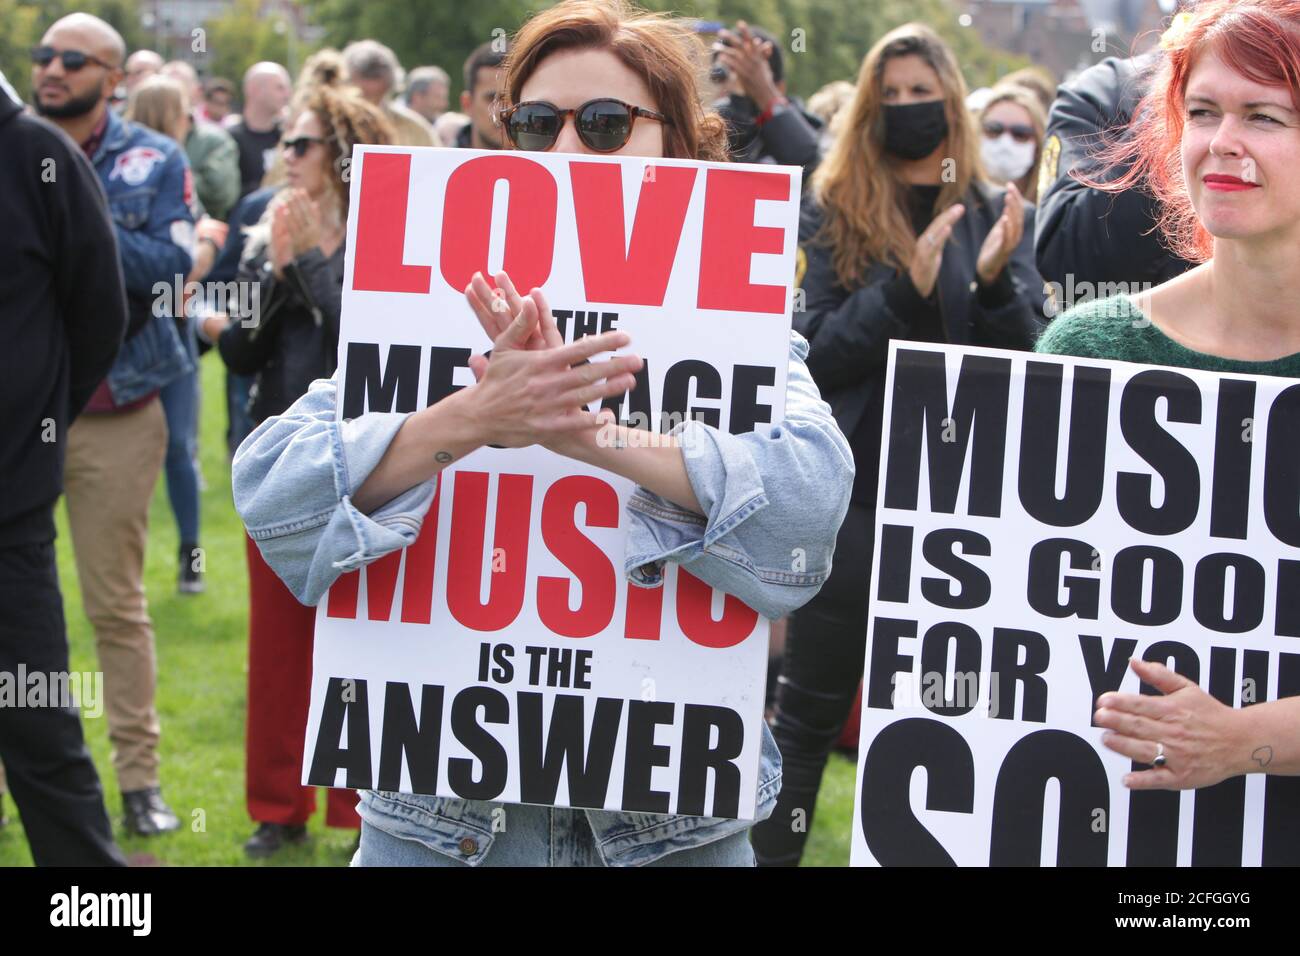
[(202, 677)]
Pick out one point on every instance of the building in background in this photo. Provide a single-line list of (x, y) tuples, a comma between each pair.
[(171, 24), (1066, 36)]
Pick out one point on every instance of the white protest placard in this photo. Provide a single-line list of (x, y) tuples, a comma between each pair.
[(504, 656), (1042, 519)]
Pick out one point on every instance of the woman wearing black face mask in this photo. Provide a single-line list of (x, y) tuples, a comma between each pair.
[(902, 238)]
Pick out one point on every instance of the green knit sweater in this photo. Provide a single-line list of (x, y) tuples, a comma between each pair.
[(1116, 329)]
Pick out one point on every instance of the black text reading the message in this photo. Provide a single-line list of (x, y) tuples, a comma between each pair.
[(690, 388), (1142, 581), (706, 740)]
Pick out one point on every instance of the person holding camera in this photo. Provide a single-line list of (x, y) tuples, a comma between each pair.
[(764, 125)]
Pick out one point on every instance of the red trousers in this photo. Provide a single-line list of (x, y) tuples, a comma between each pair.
[(279, 687)]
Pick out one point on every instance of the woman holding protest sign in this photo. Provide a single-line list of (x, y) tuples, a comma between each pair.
[(902, 239), (1215, 141), (582, 77), (294, 257)]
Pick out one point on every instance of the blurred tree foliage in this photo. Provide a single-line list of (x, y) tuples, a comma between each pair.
[(823, 40), (24, 22), (242, 36)]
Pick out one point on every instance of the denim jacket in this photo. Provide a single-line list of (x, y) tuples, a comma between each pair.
[(765, 494), (147, 179)]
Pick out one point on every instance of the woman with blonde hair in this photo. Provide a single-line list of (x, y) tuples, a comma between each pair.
[(1012, 124), (903, 238), (161, 103)]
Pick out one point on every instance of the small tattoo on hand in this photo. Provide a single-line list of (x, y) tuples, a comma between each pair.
[(442, 457), (1262, 755)]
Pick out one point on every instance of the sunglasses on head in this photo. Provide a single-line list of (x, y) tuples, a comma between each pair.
[(300, 145), (1019, 131), (73, 60), (604, 125)]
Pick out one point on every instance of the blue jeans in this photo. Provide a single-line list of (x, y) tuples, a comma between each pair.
[(180, 402), (240, 423), (539, 836)]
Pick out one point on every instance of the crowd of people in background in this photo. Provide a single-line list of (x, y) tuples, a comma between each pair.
[(930, 212)]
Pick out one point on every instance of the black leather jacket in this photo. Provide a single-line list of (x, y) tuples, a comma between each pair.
[(1085, 235), (849, 330), (294, 339), (790, 138)]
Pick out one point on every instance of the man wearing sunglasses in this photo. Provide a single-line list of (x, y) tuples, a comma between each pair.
[(115, 449)]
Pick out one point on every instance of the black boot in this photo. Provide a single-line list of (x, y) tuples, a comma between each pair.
[(805, 727), (270, 838), (190, 579), (146, 814)]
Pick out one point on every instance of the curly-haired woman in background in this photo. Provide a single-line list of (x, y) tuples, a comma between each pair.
[(295, 256)]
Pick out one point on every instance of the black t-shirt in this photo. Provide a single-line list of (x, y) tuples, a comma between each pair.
[(256, 154), (920, 206)]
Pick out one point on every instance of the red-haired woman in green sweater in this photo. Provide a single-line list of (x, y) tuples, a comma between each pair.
[(1216, 141)]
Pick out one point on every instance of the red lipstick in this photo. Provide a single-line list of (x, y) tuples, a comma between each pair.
[(1227, 184)]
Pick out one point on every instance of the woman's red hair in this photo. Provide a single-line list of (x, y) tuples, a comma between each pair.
[(661, 50), (1260, 40)]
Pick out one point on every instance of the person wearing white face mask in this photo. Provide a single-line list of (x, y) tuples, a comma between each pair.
[(1011, 124)]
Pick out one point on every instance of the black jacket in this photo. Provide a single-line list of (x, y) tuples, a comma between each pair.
[(790, 138), (294, 338), (245, 215), (62, 311), (1085, 234), (849, 330)]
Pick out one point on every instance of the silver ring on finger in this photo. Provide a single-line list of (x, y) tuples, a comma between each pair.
[(1160, 760)]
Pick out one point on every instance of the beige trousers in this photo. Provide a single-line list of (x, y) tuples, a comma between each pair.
[(112, 466)]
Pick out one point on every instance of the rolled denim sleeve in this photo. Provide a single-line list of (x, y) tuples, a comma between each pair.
[(293, 481), (159, 250), (773, 500)]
